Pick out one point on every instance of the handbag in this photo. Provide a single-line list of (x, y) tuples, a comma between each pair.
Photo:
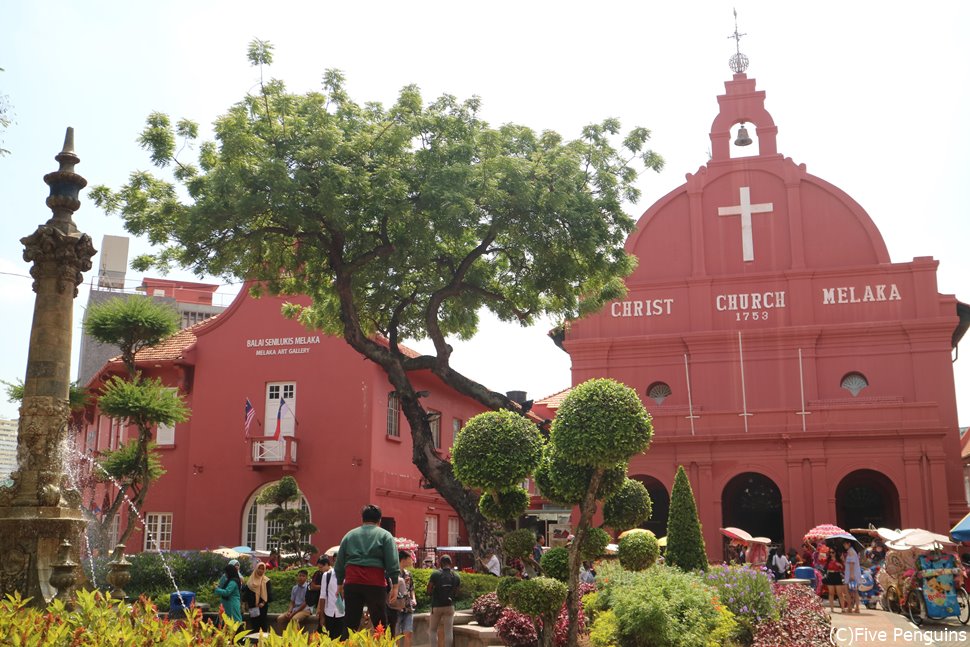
[(339, 603), (253, 612)]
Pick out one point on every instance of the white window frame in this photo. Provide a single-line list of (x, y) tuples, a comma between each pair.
[(434, 422), (430, 531), (456, 424), (158, 532), (255, 528), (114, 532), (165, 434), (454, 531), (393, 415), (273, 450)]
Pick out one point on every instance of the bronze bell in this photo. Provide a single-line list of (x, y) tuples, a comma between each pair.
[(743, 138)]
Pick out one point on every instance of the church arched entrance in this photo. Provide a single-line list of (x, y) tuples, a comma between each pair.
[(864, 498), (258, 532), (752, 502), (657, 523)]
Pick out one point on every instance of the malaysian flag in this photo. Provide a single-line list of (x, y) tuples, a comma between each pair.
[(250, 415), (279, 420)]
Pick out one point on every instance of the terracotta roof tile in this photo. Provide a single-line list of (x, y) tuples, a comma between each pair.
[(553, 401)]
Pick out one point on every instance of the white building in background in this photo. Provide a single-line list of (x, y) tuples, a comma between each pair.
[(8, 449)]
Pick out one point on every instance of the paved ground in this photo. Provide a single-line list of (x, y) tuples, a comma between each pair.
[(877, 627)]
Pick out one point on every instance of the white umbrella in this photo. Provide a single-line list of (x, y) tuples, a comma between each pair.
[(227, 552)]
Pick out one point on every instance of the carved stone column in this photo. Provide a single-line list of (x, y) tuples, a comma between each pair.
[(39, 512)]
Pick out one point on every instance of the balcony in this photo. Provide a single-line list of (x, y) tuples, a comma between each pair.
[(265, 452)]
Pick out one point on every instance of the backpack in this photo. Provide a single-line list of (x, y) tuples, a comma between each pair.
[(444, 589)]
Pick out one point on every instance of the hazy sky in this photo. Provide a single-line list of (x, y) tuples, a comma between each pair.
[(871, 96)]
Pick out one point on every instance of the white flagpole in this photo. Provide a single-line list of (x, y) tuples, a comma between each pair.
[(690, 401), (744, 397), (801, 384)]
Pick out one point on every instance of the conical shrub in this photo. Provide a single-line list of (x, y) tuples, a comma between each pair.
[(685, 543)]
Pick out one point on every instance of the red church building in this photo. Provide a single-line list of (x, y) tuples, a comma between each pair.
[(797, 373), (341, 435)]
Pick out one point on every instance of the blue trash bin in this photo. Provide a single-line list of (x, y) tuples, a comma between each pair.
[(806, 573), (178, 602)]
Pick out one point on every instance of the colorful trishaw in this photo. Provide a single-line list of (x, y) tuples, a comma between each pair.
[(937, 589)]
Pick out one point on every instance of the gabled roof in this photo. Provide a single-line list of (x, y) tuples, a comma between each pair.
[(172, 348), (553, 401)]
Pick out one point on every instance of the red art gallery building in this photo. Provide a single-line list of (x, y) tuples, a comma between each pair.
[(796, 372), (342, 436)]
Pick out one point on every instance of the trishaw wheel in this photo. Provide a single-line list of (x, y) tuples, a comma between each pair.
[(914, 606), (892, 600), (963, 600)]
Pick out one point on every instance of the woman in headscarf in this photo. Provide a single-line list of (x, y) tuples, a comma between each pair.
[(229, 591), (258, 592)]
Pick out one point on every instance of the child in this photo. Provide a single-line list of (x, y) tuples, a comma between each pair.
[(406, 600)]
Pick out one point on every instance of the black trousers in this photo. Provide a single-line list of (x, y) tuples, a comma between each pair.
[(336, 627), (357, 596), (260, 622)]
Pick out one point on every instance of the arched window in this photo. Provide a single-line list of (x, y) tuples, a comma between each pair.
[(257, 530), (658, 392), (854, 383)]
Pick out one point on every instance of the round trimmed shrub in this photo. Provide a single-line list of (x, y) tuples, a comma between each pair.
[(628, 507), (601, 423), (519, 543), (511, 503), (564, 481), (594, 543), (495, 450), (504, 588), (487, 609), (516, 629), (555, 563), (638, 550), (540, 596)]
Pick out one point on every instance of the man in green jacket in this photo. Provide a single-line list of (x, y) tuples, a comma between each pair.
[(367, 554)]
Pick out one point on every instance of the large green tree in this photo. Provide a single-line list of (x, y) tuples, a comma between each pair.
[(399, 222), (131, 324)]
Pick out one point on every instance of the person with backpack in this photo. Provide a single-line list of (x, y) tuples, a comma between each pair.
[(330, 607), (443, 588)]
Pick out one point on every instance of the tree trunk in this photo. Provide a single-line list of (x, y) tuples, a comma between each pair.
[(586, 510), (547, 634)]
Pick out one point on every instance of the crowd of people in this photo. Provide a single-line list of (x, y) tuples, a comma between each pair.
[(369, 577)]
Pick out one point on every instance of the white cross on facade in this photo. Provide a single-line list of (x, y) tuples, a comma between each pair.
[(745, 209)]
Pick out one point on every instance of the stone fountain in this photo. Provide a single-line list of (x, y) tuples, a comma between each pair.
[(40, 516)]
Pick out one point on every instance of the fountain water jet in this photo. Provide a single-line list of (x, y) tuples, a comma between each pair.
[(40, 511)]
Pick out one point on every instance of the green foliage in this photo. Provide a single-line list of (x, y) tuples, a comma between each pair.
[(539, 596), (605, 631), (77, 396), (518, 543), (748, 594), (685, 543), (132, 323), (563, 481), (638, 550), (504, 589), (555, 563), (601, 423), (628, 507), (506, 504), (294, 527), (97, 620), (473, 586), (496, 450), (664, 607), (124, 464), (594, 543), (145, 402)]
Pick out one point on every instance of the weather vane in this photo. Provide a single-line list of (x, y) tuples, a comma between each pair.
[(739, 62)]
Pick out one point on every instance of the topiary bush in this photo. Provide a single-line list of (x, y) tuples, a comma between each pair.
[(628, 507), (594, 543), (504, 504), (685, 543), (638, 550), (504, 589), (487, 609), (538, 596), (565, 481), (495, 449), (601, 423), (519, 543), (555, 563), (516, 629)]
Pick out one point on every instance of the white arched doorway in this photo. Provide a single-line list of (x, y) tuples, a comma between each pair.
[(256, 530)]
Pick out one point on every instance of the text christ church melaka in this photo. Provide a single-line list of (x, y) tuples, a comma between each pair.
[(797, 373)]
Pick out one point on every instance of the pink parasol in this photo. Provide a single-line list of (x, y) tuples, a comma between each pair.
[(823, 531), (403, 543), (736, 534)]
